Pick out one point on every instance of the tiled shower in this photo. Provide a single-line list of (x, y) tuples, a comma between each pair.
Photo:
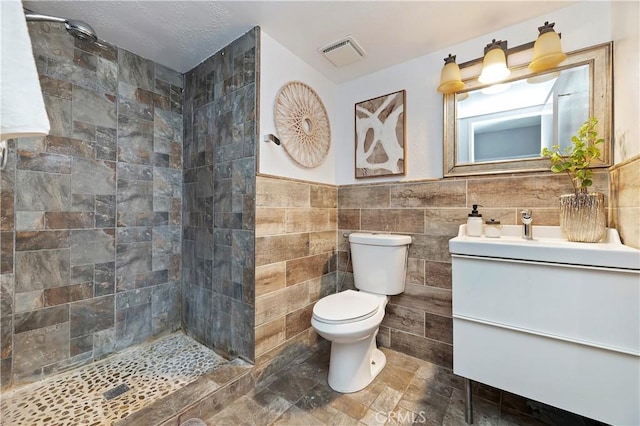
[(94, 215), (220, 125)]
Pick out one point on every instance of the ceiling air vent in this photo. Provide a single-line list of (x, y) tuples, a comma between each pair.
[(343, 52)]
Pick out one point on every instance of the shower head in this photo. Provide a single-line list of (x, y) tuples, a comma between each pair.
[(81, 30), (78, 29)]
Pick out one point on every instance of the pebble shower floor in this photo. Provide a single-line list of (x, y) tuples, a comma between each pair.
[(151, 371)]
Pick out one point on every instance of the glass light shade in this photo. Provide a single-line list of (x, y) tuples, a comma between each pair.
[(494, 67), (494, 89), (462, 96), (547, 52), (543, 78), (450, 79)]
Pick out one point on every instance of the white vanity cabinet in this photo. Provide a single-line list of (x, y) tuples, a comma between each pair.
[(561, 333)]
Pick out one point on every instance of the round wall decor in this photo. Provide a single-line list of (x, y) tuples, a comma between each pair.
[(302, 124)]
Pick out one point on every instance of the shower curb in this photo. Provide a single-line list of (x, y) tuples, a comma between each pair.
[(199, 399)]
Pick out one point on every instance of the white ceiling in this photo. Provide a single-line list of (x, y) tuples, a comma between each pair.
[(181, 34)]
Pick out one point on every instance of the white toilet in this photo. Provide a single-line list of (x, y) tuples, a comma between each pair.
[(350, 319)]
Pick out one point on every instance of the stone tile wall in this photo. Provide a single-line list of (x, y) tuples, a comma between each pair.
[(91, 214), (624, 214), (418, 322), (220, 122), (295, 264)]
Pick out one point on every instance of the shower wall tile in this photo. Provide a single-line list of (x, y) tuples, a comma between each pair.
[(69, 146), (104, 342), (104, 279), (89, 316), (43, 162), (135, 139), (135, 70), (91, 246), (7, 290), (93, 177), (84, 131), (72, 293), (164, 299), (83, 273), (7, 193), (168, 77), (132, 259), (83, 200), (134, 196), (59, 113), (6, 336), (6, 252), (54, 87), (80, 345), (40, 347), (133, 325), (218, 165), (42, 240), (94, 107), (33, 320), (102, 50), (42, 191), (105, 211), (29, 301), (69, 220), (106, 143), (128, 299), (37, 270)]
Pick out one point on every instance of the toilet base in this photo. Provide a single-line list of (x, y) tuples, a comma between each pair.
[(354, 365)]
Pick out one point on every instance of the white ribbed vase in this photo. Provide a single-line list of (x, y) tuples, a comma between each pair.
[(583, 217)]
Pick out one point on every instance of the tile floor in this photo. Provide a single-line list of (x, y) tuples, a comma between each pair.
[(407, 391), (151, 371), (175, 379)]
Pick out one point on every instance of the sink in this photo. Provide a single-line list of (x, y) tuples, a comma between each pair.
[(548, 245)]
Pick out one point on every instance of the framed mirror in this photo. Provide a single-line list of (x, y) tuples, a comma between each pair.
[(502, 128)]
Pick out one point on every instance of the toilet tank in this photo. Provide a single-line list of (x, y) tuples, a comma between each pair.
[(379, 262)]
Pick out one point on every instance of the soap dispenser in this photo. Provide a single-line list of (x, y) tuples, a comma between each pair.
[(474, 223)]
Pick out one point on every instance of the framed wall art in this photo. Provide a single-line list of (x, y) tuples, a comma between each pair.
[(380, 136)]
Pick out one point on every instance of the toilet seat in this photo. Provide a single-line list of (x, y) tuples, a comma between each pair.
[(346, 307)]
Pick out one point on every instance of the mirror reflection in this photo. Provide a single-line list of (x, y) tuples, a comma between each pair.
[(502, 128), (516, 120)]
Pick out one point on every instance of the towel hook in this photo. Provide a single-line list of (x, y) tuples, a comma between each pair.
[(4, 154), (272, 138)]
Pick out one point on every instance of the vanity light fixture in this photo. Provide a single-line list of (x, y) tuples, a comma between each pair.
[(547, 51), (450, 80), (494, 64), (547, 54)]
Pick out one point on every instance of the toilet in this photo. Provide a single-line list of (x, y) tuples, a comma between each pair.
[(350, 319)]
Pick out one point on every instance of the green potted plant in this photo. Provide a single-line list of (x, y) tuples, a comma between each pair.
[(582, 214)]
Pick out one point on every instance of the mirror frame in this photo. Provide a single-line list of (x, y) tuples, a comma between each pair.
[(600, 59)]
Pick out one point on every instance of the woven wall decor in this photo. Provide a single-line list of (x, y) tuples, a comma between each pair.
[(303, 124)]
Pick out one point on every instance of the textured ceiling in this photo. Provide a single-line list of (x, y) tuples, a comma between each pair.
[(181, 34)]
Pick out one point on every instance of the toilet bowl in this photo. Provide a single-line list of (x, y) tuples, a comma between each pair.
[(350, 319)]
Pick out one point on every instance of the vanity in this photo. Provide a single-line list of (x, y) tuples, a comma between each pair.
[(551, 320)]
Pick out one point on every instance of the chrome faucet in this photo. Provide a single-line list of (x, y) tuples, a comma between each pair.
[(527, 227)]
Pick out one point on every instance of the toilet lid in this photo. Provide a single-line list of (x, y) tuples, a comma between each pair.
[(346, 306)]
